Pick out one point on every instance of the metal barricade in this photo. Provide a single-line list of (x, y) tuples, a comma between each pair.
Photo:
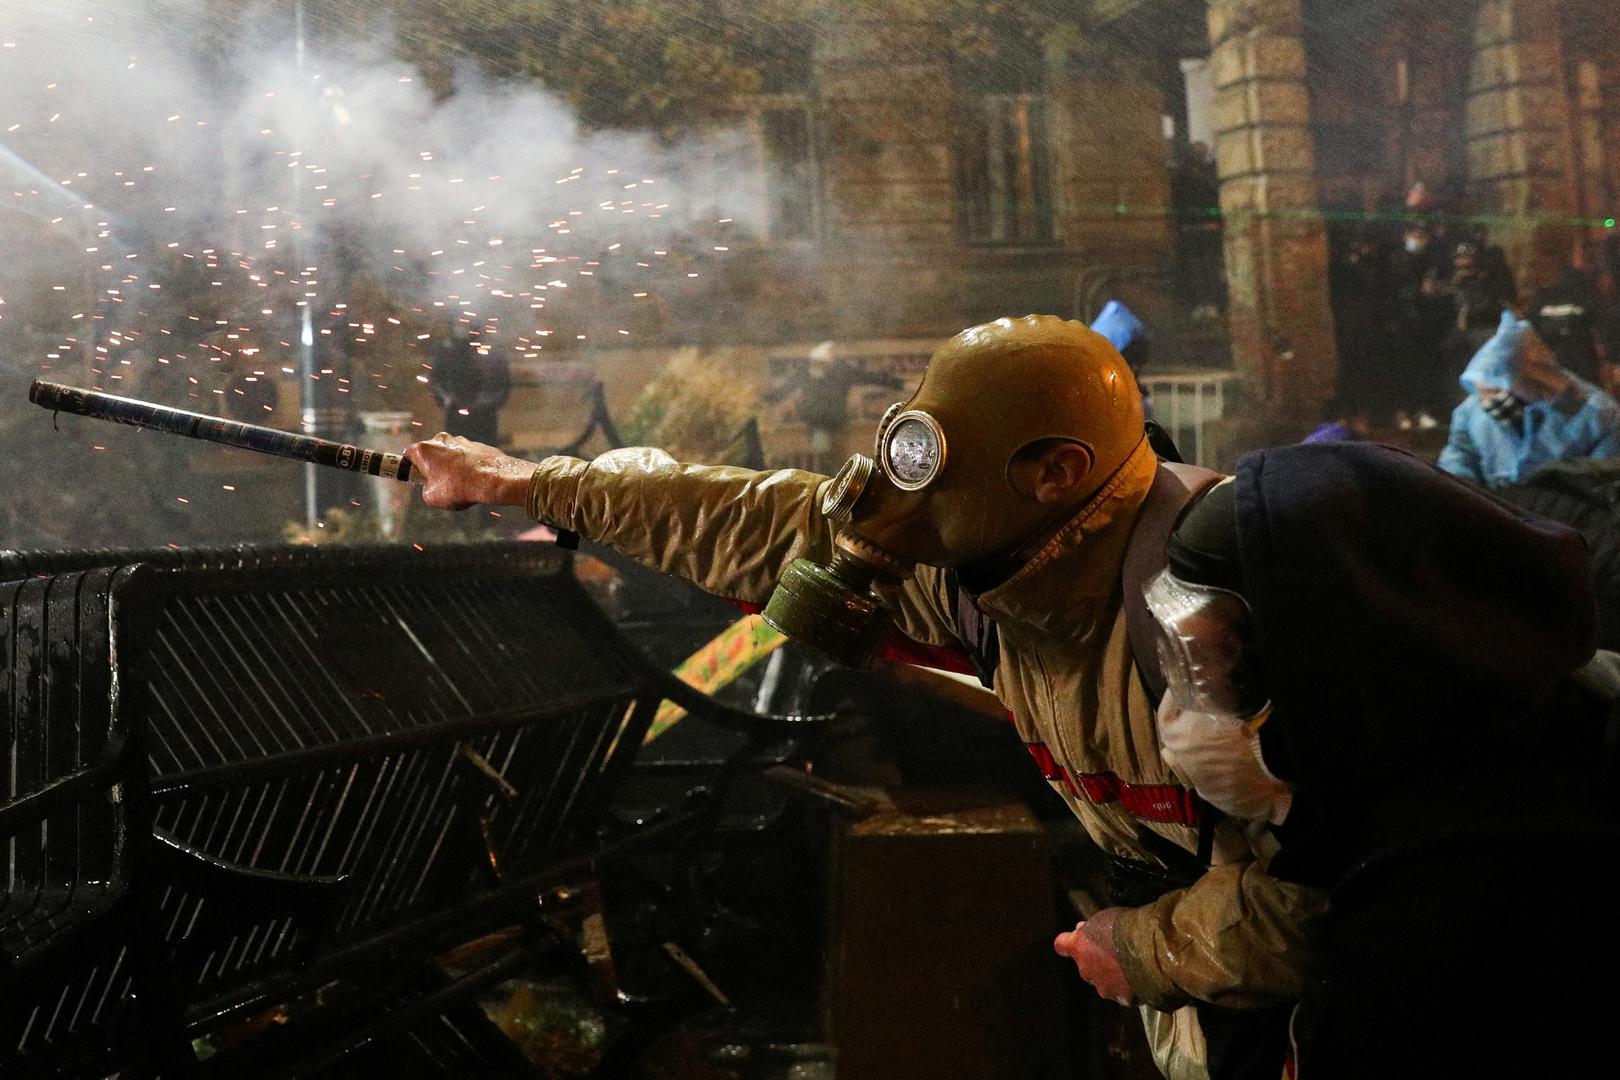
[(251, 784), (1189, 405)]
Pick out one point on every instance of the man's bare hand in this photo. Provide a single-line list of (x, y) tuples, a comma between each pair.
[(1091, 946), (457, 473)]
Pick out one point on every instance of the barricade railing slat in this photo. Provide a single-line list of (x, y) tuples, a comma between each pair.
[(231, 774)]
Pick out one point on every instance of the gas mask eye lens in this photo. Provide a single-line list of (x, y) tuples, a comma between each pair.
[(883, 427), (913, 450)]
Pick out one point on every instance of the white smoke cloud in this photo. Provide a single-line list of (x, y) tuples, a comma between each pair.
[(124, 132), (179, 187)]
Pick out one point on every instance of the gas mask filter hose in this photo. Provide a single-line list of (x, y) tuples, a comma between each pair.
[(832, 609)]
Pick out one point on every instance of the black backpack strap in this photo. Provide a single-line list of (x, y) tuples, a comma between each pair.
[(976, 632), (1182, 867), (1161, 443), (1174, 486)]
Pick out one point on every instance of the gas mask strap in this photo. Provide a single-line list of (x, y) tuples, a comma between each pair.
[(1175, 487)]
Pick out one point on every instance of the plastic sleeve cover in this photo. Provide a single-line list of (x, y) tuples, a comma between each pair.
[(1236, 938)]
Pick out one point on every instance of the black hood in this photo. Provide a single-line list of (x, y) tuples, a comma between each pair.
[(1404, 618)]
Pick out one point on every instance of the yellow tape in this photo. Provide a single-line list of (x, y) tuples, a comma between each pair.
[(733, 651)]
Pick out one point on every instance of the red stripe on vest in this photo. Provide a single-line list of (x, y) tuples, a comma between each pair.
[(1050, 769), (1168, 803), (910, 651), (1044, 761), (1159, 802)]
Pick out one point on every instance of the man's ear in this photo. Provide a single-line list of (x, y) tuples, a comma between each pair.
[(1051, 471)]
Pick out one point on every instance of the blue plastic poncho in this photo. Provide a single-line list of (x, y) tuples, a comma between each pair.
[(1581, 422)]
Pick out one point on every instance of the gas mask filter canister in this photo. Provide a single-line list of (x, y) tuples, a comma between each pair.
[(833, 609)]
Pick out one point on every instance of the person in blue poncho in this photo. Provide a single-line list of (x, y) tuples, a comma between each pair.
[(1125, 332), (1523, 411)]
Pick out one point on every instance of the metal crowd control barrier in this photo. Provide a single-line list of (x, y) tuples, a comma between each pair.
[(252, 793), (1188, 405)]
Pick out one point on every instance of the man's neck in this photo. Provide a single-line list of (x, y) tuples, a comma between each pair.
[(981, 575)]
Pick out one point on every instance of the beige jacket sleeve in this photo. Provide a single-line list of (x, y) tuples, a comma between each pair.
[(1235, 927), (729, 531)]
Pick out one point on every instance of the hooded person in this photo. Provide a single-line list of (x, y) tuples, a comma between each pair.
[(1381, 663), (993, 521), (1523, 411)]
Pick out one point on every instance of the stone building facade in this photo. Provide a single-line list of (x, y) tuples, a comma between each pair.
[(936, 199), (905, 201), (1513, 106), (894, 199)]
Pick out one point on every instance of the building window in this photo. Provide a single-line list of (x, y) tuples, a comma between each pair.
[(1004, 187), (790, 180)]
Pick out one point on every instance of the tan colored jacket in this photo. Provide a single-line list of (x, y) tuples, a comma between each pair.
[(1065, 671)]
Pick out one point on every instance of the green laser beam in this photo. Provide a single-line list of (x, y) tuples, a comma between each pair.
[(1405, 217)]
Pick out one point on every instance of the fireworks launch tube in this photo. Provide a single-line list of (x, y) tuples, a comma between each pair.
[(264, 440)]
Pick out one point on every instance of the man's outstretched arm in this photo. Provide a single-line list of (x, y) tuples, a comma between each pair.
[(729, 531)]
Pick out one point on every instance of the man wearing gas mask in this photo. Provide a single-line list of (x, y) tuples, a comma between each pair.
[(994, 517), (1014, 511)]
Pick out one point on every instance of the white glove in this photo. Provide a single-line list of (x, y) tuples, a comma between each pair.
[(1220, 757)]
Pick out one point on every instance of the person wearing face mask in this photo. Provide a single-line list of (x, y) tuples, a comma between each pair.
[(1523, 411), (1479, 286), (1385, 667), (1010, 506), (1423, 316)]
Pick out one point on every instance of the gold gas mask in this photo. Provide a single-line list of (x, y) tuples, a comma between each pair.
[(937, 488), (833, 608)]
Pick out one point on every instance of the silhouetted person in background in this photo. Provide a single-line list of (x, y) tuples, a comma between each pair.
[(822, 389), (1366, 321), (1480, 288), (1195, 192), (1422, 318), (471, 384), (1568, 316), (1608, 291)]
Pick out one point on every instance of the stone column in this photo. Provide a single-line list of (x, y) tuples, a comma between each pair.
[(1276, 247), (1596, 99), (1434, 150), (1521, 166), (1609, 121)]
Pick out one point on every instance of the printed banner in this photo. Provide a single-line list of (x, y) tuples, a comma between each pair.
[(736, 649)]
